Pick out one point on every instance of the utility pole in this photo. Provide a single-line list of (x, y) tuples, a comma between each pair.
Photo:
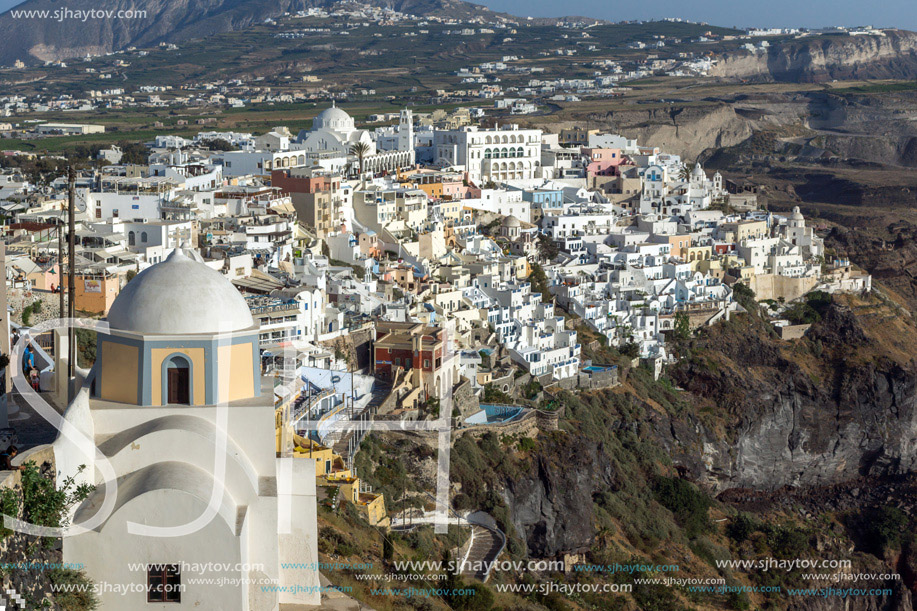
[(60, 254), (6, 379), (71, 277)]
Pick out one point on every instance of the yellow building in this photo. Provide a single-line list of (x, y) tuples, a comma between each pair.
[(331, 470), (719, 266), (744, 230), (694, 254)]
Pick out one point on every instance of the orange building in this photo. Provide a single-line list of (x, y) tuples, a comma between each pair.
[(95, 292)]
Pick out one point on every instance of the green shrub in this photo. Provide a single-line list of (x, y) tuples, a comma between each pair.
[(631, 350), (787, 541), (741, 527), (85, 347), (79, 598), (9, 506), (492, 394), (738, 600), (685, 501), (46, 505), (882, 528), (744, 295)]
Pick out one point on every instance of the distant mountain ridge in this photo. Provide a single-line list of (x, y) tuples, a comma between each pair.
[(34, 39)]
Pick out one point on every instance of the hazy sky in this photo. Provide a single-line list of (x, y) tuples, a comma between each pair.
[(773, 13)]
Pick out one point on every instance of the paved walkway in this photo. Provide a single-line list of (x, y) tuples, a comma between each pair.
[(31, 429)]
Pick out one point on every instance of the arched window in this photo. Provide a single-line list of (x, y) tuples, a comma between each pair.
[(487, 152), (143, 237), (131, 238)]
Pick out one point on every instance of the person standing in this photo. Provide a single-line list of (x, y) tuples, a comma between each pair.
[(28, 359)]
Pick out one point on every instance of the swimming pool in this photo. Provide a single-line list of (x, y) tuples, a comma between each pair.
[(597, 369), (494, 414)]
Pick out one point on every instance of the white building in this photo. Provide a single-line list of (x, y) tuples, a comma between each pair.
[(497, 154), (178, 437)]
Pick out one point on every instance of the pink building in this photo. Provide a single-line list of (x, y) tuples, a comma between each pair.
[(602, 162)]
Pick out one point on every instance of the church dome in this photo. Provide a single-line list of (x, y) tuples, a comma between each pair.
[(333, 119), (179, 296)]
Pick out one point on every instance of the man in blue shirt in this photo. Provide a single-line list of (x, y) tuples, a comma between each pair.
[(28, 359)]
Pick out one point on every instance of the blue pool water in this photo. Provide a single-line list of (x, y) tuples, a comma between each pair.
[(596, 368), (494, 414)]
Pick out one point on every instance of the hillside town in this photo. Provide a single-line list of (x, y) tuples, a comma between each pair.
[(438, 305), (429, 272), (431, 220)]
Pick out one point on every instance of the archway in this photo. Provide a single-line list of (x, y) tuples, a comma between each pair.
[(178, 381)]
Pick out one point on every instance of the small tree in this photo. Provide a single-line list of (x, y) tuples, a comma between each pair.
[(630, 350), (46, 505), (547, 249), (682, 326)]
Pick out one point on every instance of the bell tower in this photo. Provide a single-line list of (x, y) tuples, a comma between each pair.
[(406, 133)]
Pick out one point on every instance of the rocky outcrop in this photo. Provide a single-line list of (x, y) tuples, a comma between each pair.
[(684, 130), (818, 419), (893, 55), (551, 504)]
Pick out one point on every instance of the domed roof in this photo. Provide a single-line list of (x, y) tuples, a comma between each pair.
[(512, 221), (332, 118), (179, 296)]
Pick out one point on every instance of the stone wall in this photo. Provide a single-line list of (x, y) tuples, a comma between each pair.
[(464, 399), (771, 286), (788, 332), (356, 345), (506, 383), (549, 421), (584, 380), (20, 298), (526, 425)]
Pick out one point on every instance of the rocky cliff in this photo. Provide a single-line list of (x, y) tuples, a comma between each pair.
[(835, 406), (680, 129), (551, 502), (893, 55)]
